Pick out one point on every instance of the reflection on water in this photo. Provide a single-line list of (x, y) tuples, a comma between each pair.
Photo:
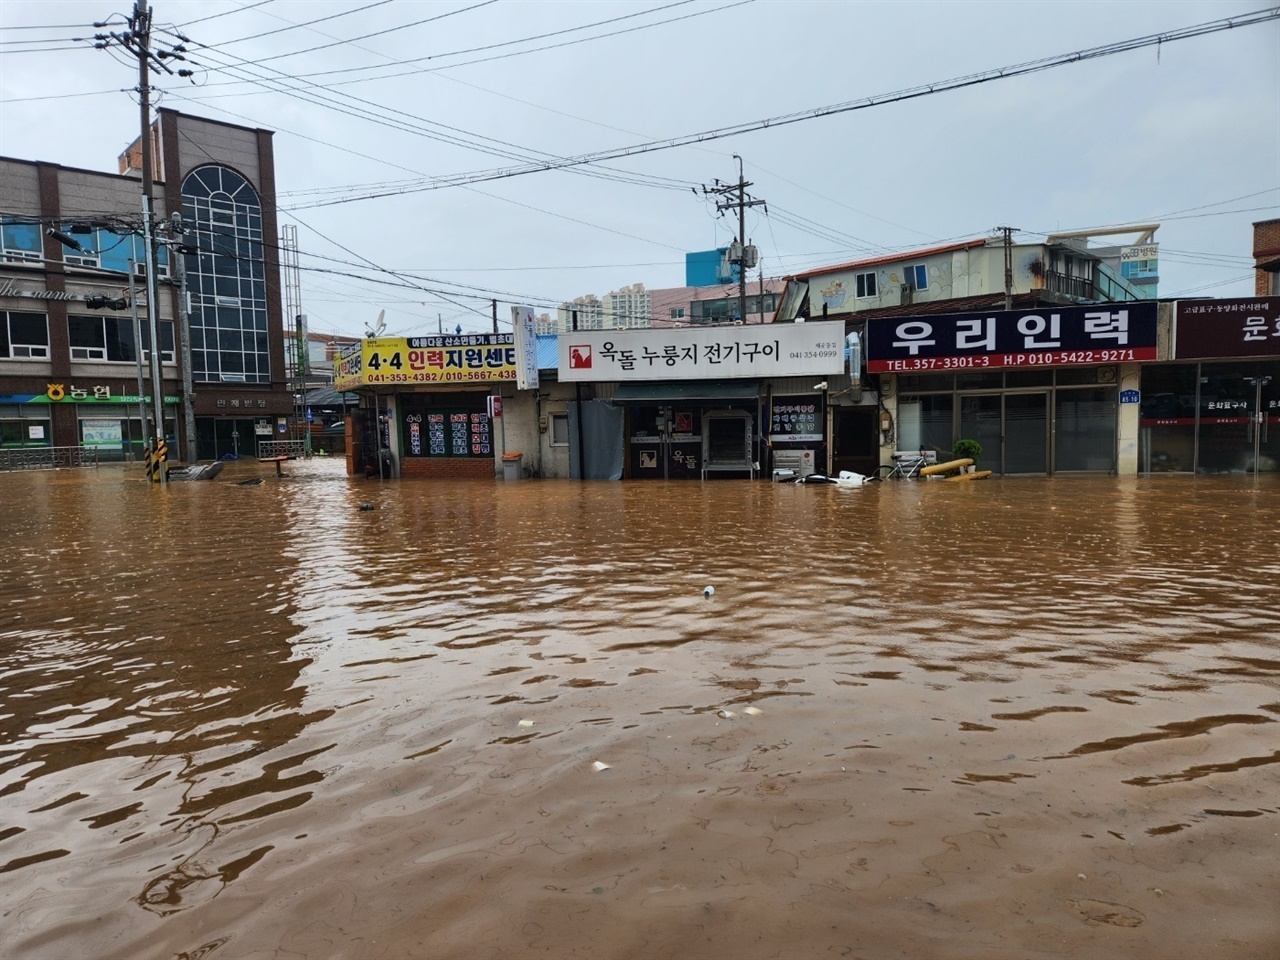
[(1030, 717)]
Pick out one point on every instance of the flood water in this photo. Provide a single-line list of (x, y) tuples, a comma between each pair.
[(1012, 718)]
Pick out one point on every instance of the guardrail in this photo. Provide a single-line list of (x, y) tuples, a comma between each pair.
[(47, 458), (282, 448)]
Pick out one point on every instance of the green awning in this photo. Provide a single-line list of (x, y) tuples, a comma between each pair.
[(669, 391)]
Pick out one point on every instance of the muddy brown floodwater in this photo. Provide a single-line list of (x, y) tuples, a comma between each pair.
[(1017, 718)]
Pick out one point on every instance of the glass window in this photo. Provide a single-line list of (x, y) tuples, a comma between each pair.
[(865, 285), (1085, 429), (227, 227), (88, 338), (26, 336), (20, 241), (925, 423)]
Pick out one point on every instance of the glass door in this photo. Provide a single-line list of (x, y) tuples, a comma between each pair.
[(1026, 433), (980, 420), (1238, 417)]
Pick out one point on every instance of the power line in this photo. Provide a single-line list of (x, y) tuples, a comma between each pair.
[(455, 53), (456, 136), (227, 13), (911, 93), (308, 23), (378, 33)]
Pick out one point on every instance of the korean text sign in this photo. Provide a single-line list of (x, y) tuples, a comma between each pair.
[(1042, 336), (469, 358), (706, 353), (1241, 327)]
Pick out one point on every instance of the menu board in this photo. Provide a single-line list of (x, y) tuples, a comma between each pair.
[(448, 433)]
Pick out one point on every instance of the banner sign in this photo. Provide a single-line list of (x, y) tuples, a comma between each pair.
[(58, 393), (796, 419), (710, 353), (526, 340), (1244, 327), (468, 358), (1044, 336)]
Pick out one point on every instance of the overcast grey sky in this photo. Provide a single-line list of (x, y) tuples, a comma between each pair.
[(1186, 134)]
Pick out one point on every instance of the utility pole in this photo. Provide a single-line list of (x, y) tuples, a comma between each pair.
[(177, 257), (137, 40), (137, 347), (494, 304), (1008, 265), (740, 252), (577, 402)]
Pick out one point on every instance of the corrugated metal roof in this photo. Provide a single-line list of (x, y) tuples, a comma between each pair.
[(548, 352)]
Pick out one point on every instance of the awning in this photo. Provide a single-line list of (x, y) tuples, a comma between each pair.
[(670, 391)]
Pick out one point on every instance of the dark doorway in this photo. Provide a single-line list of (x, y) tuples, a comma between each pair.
[(856, 441)]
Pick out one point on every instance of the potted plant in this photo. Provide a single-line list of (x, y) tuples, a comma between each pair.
[(967, 450)]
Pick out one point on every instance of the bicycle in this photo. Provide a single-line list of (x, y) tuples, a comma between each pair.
[(906, 465)]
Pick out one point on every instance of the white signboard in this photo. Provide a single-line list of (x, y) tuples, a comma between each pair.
[(1148, 251), (101, 432), (526, 348), (710, 353)]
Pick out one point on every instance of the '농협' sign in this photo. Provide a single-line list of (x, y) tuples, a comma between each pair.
[(1043, 336), (707, 353)]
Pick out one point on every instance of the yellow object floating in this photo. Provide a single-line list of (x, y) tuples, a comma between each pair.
[(940, 468), (979, 475)]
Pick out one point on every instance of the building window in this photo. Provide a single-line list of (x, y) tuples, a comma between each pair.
[(111, 339), (559, 429), (24, 336), (917, 277), (865, 285), (677, 313), (20, 241), (226, 278)]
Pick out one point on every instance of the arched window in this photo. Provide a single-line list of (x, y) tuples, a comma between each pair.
[(226, 279)]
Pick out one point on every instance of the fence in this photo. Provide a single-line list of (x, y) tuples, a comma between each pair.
[(48, 458), (282, 448)]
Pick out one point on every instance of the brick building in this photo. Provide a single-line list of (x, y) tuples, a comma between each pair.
[(70, 370)]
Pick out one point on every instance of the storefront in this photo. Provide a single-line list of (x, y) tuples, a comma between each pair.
[(1216, 409), (114, 423), (429, 406), (1038, 389), (709, 402)]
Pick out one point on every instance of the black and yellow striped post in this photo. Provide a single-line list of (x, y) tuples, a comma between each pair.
[(146, 461), (160, 462)]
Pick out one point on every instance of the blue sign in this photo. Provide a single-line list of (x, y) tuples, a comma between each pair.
[(1130, 396), (311, 416)]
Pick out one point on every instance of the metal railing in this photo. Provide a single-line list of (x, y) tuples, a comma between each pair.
[(47, 458), (282, 448)]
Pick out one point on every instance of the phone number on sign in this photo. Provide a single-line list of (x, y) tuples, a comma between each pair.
[(431, 376), (813, 354), (1046, 358)]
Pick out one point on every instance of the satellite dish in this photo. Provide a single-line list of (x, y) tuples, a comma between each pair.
[(379, 326)]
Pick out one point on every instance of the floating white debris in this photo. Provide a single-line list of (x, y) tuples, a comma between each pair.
[(752, 711), (598, 766), (526, 723), (725, 714), (708, 591)]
